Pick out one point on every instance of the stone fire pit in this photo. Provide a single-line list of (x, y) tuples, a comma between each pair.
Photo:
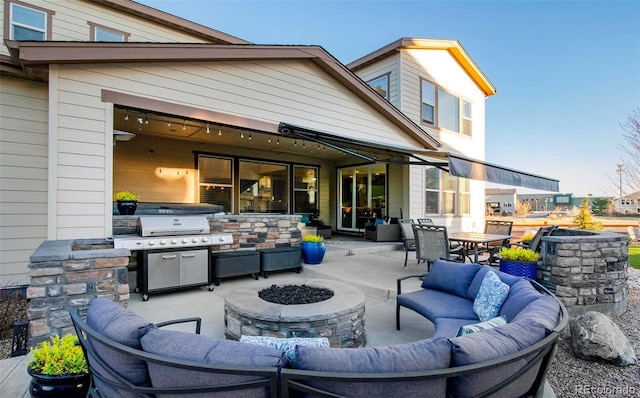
[(340, 319)]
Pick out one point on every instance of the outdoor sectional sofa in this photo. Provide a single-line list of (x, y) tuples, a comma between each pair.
[(128, 355)]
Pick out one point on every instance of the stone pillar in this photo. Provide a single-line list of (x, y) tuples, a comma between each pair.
[(69, 274), (257, 231), (587, 270)]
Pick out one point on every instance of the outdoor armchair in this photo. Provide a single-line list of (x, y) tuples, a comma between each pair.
[(496, 227), (408, 238)]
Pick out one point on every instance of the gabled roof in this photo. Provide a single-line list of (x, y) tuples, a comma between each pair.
[(171, 21), (452, 46), (36, 54)]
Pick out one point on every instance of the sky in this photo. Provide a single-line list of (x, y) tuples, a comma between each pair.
[(567, 72)]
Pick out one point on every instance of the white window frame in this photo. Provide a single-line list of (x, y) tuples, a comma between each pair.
[(429, 89), (46, 30), (459, 190), (96, 28)]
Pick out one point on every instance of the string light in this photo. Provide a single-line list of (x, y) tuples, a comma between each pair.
[(208, 131), (184, 124), (241, 134), (295, 142), (278, 142), (126, 115), (303, 144), (146, 119), (219, 132), (250, 137), (169, 123), (269, 140)]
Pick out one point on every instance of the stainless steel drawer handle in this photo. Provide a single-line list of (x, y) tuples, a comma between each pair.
[(168, 256), (189, 255)]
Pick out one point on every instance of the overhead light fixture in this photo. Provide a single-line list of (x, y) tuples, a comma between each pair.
[(123, 136), (169, 123)]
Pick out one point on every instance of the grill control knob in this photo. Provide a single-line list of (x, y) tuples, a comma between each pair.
[(205, 239), (185, 241), (174, 241), (163, 242), (194, 240), (152, 242)]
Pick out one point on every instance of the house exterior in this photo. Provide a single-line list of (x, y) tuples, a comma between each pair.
[(101, 96)]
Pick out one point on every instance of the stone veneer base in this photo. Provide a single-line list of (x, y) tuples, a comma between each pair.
[(341, 319)]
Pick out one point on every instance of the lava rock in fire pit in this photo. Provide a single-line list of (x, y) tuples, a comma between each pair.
[(295, 294)]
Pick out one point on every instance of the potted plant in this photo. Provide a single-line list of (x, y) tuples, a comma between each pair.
[(59, 368), (312, 248), (519, 261), (127, 202)]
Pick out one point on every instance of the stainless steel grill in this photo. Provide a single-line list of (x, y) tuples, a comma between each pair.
[(173, 252)]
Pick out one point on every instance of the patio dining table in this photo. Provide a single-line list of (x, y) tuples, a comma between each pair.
[(475, 239)]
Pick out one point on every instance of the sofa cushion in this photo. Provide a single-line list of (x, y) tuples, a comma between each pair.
[(545, 311), (491, 344), (449, 327), (520, 295), (288, 346), (490, 297), (422, 355), (203, 349), (450, 277), (476, 327), (477, 280), (434, 304), (121, 325)]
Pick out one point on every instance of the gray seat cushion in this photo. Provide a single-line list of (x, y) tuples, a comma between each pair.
[(417, 356), (119, 324), (434, 304), (449, 277), (491, 344), (520, 295), (203, 349)]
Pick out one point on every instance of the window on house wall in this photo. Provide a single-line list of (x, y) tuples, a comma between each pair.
[(28, 23), (466, 118), (103, 33), (445, 110), (215, 181), (305, 190), (264, 187), (428, 93), (446, 194), (381, 85)]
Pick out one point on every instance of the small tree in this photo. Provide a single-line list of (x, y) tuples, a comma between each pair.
[(584, 219), (600, 206), (523, 209)]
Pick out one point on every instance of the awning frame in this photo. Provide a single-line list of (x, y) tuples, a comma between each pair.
[(455, 164)]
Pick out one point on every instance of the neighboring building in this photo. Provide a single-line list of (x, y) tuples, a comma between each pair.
[(629, 204), (100, 96), (500, 202)]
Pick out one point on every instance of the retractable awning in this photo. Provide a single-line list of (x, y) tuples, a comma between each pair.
[(457, 165)]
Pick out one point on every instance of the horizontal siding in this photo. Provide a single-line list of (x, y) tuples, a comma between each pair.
[(388, 65), (70, 23), (23, 175)]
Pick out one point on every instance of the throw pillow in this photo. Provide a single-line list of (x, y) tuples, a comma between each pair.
[(490, 297), (476, 327), (288, 346)]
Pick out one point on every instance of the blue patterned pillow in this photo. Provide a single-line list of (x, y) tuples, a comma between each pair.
[(490, 297), (476, 327), (288, 346)]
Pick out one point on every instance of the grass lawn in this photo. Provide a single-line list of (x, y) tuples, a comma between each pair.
[(634, 256)]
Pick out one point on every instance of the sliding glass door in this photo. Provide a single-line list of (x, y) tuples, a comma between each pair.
[(362, 193)]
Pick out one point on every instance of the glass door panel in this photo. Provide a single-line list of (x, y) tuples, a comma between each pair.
[(362, 193)]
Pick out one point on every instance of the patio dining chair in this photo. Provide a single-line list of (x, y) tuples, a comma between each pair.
[(408, 239), (432, 243), (534, 244), (496, 227)]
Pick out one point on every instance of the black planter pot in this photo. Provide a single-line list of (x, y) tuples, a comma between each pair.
[(127, 207), (67, 386)]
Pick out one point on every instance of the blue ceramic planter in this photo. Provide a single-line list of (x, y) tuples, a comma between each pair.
[(312, 252), (518, 268)]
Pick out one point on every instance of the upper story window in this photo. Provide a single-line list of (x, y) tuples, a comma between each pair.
[(381, 85), (28, 22), (103, 33), (445, 110)]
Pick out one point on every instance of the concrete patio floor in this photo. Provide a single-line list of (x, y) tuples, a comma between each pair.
[(372, 267)]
